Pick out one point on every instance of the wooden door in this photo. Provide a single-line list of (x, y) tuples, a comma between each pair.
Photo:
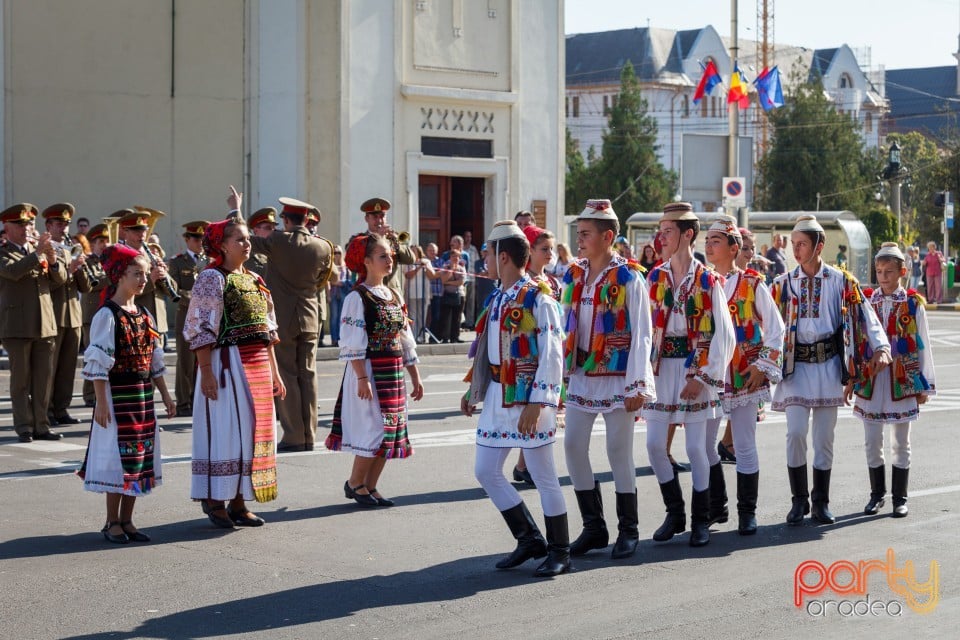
[(434, 210)]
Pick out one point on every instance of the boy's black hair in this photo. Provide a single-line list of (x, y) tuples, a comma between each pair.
[(683, 225), (607, 225), (517, 248)]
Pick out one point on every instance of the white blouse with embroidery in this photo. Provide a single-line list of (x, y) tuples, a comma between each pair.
[(353, 329), (202, 324), (99, 358)]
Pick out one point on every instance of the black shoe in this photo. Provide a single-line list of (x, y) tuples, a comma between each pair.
[(66, 418), (134, 536), (308, 446), (185, 412), (245, 518), (112, 537), (25, 437), (747, 489), (820, 497), (718, 496), (700, 518), (898, 486), (362, 499), (49, 435), (594, 534), (381, 501), (558, 548), (798, 488), (211, 511), (676, 520), (725, 454), (530, 542), (628, 536), (284, 447), (523, 476), (878, 489)]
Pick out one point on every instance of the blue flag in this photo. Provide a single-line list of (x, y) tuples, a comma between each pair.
[(769, 89)]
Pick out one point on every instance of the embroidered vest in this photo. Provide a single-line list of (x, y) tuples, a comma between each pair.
[(906, 378), (134, 336), (697, 310), (610, 330), (519, 355), (244, 319), (385, 320), (747, 324)]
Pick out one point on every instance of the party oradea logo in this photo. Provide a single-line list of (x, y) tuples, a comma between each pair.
[(851, 583)]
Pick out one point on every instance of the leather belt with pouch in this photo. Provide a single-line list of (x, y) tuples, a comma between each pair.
[(817, 352)]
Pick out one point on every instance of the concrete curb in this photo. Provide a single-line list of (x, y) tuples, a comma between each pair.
[(943, 306)]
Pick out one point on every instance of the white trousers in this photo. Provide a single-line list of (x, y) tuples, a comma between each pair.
[(899, 444), (488, 469), (743, 424), (576, 446), (824, 421), (694, 435)]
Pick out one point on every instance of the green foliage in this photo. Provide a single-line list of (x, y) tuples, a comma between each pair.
[(882, 225), (814, 150), (627, 169), (929, 169)]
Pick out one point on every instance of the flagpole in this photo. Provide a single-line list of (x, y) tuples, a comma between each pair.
[(733, 109)]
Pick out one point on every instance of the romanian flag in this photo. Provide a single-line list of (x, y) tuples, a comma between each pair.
[(769, 89), (738, 89), (710, 79)]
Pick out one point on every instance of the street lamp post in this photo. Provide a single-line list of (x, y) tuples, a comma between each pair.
[(894, 172)]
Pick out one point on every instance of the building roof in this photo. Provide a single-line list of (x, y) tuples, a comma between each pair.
[(596, 58), (923, 100), (820, 64)]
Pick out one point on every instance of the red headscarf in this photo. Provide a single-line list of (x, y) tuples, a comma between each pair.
[(115, 259), (213, 242), (357, 253)]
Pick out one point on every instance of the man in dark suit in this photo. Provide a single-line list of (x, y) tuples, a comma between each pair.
[(183, 269), (66, 308), (300, 264), (29, 269)]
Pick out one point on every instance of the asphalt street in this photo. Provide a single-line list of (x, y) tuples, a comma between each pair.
[(323, 568)]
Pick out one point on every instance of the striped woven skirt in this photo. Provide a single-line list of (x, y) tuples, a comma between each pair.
[(124, 456), (375, 427)]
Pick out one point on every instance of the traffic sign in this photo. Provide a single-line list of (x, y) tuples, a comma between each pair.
[(734, 193)]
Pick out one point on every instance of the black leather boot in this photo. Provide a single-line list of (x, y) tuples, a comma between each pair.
[(878, 489), (898, 487), (747, 489), (718, 496), (801, 495), (676, 520), (628, 535), (820, 496), (594, 534), (530, 542), (700, 518), (558, 548)]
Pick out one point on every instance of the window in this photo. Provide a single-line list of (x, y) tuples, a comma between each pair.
[(566, 107), (613, 101), (846, 82), (576, 106), (868, 123), (703, 107), (606, 104), (686, 106)]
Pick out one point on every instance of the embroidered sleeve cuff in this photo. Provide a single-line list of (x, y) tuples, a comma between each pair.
[(158, 373), (92, 372), (707, 380), (770, 369), (410, 357), (353, 354), (545, 393), (637, 387), (203, 340)]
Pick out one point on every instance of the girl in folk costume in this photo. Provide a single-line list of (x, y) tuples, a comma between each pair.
[(756, 363), (541, 252), (517, 373), (693, 340), (607, 356), (231, 327), (124, 360), (894, 395), (827, 329), (370, 417)]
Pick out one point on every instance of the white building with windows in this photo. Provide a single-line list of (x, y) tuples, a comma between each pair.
[(668, 65)]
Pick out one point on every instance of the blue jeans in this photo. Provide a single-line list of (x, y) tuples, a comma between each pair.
[(337, 294)]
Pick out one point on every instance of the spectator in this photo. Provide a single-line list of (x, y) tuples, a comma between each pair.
[(933, 264), (523, 219), (776, 256), (648, 257), (563, 260), (486, 282), (914, 267), (451, 303), (436, 289), (418, 276), (470, 303), (842, 256), (341, 282)]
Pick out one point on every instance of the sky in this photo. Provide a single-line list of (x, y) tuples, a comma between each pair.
[(900, 33)]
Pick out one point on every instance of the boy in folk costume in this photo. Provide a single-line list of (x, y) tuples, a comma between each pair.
[(756, 363), (894, 395), (517, 374), (607, 355), (829, 332), (693, 340)]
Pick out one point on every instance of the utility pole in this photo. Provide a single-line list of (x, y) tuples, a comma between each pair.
[(733, 109)]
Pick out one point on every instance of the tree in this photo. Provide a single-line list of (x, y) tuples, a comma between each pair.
[(577, 185), (929, 170), (814, 150), (628, 170)]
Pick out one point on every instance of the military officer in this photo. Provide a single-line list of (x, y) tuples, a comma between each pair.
[(133, 227), (375, 214), (184, 268), (262, 223), (29, 269), (99, 238), (66, 309), (300, 264)]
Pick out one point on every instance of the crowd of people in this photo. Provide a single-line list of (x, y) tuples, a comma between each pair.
[(669, 336)]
